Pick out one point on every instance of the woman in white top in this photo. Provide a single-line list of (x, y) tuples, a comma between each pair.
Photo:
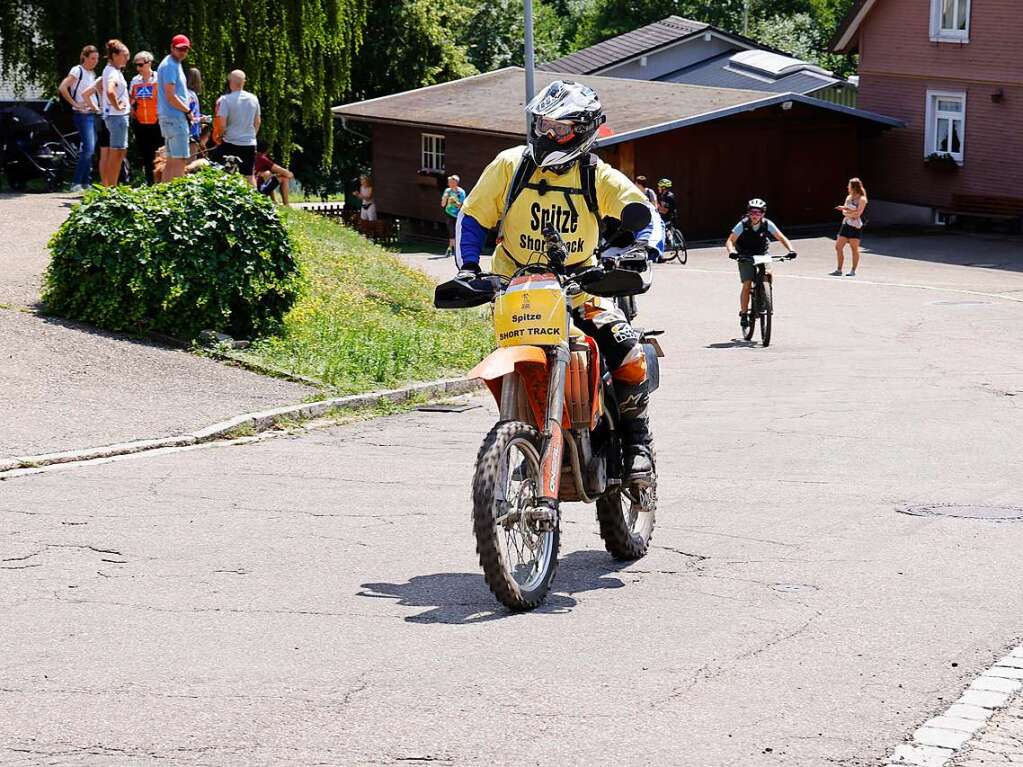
[(365, 193), (78, 90), (852, 225), (116, 108)]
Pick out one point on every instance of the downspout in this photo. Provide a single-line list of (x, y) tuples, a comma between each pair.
[(346, 129)]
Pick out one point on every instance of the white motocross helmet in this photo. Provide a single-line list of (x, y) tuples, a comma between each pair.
[(563, 123)]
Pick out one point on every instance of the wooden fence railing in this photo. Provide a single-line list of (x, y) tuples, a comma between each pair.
[(384, 231)]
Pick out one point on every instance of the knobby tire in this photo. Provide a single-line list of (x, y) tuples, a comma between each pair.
[(488, 546)]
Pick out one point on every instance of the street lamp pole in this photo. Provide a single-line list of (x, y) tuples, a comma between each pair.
[(528, 58)]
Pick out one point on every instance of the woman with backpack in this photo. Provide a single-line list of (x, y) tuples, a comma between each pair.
[(78, 90), (145, 122)]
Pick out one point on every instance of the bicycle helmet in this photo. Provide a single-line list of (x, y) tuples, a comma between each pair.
[(563, 120), (756, 202), (664, 183)]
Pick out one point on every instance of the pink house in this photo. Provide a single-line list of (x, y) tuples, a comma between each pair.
[(952, 71)]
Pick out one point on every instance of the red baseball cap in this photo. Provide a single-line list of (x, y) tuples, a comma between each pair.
[(180, 41)]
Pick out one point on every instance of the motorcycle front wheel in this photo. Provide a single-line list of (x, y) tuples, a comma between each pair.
[(516, 539)]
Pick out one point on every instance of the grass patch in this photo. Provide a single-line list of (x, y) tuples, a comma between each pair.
[(363, 320)]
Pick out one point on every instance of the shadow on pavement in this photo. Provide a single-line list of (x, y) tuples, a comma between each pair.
[(735, 343), (152, 340), (982, 250), (463, 598)]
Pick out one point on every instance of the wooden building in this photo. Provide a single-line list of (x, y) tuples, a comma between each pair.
[(720, 146)]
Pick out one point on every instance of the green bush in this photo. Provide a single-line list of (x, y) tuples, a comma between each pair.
[(201, 252)]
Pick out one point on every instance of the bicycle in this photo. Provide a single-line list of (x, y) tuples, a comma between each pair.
[(761, 295), (674, 245)]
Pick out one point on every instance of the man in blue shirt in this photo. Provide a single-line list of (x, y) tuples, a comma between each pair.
[(172, 107)]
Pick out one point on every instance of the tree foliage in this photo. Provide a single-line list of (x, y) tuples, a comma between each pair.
[(410, 44), (800, 35), (800, 27), (298, 54), (495, 33)]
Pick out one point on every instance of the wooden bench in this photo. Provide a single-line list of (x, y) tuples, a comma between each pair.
[(986, 205), (1004, 210)]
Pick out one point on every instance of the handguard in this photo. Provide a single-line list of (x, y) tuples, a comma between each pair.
[(463, 293), (618, 277)]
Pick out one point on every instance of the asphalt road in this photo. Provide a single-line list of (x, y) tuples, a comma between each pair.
[(314, 599)]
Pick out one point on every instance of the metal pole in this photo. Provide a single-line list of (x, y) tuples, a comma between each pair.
[(528, 58)]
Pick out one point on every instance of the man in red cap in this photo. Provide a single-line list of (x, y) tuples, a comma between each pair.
[(172, 107)]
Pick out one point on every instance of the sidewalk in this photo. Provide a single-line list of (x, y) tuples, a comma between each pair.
[(65, 386), (1001, 742)]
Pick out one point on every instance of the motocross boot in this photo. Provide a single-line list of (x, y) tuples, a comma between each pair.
[(637, 441)]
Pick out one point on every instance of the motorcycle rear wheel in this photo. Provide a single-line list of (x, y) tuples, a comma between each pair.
[(626, 520), (519, 556)]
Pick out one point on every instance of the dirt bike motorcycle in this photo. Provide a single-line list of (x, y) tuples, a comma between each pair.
[(557, 439)]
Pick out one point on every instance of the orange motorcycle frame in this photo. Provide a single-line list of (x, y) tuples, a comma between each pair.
[(530, 398)]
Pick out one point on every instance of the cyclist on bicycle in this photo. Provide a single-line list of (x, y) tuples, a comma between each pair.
[(666, 205), (751, 237), (556, 181)]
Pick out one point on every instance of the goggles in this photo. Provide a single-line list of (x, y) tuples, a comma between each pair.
[(560, 130)]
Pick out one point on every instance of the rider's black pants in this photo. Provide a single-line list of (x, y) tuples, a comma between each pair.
[(619, 343)]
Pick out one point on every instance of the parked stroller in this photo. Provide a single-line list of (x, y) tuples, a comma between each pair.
[(31, 147)]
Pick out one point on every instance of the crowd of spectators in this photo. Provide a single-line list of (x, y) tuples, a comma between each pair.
[(162, 111)]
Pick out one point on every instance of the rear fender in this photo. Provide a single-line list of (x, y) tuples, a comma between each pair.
[(530, 362)]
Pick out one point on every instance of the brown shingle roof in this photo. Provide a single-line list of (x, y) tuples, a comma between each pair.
[(494, 102), (625, 46)]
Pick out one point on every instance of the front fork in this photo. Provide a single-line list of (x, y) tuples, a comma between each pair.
[(553, 436)]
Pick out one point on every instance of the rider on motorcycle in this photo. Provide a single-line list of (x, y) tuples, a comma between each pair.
[(751, 237), (555, 180)]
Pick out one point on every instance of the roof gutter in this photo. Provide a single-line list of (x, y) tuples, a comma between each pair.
[(344, 118)]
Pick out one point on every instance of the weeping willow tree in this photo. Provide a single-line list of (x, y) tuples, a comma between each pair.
[(298, 54)]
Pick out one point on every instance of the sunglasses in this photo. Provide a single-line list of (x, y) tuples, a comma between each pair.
[(141, 63), (756, 212)]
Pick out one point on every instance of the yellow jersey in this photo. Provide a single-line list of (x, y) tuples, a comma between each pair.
[(549, 198)]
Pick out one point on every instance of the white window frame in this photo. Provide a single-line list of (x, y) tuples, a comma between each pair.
[(433, 159), (944, 35), (931, 126)]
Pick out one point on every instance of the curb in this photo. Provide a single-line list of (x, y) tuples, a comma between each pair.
[(258, 422)]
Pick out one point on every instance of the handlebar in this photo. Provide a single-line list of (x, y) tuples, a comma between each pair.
[(749, 259)]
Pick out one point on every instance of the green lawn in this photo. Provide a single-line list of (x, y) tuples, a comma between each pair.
[(364, 320)]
